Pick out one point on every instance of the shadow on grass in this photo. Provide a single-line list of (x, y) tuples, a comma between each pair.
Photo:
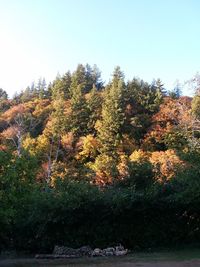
[(132, 259)]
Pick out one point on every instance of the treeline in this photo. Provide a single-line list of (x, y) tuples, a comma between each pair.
[(84, 162)]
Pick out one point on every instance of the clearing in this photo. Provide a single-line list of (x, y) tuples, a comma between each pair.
[(180, 258)]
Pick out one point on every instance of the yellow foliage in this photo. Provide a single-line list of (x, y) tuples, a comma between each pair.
[(122, 167), (30, 144), (98, 125), (165, 164), (36, 146), (59, 171), (139, 156), (105, 169), (41, 107), (89, 147), (42, 143)]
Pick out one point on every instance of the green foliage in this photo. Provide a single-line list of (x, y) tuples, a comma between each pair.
[(142, 101), (58, 117), (175, 139), (176, 92), (86, 77), (98, 166), (196, 106), (94, 108), (3, 95), (109, 133), (61, 86), (140, 176), (146, 98), (79, 116), (16, 184)]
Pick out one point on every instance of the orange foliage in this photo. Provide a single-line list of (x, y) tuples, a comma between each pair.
[(165, 164), (172, 113), (10, 132), (41, 107), (67, 141), (14, 111), (3, 148)]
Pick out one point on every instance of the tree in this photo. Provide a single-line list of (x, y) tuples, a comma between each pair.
[(79, 118), (26, 95), (54, 130), (19, 120), (41, 87), (67, 79), (113, 115), (194, 84), (96, 78), (3, 95), (171, 125), (4, 102), (194, 138), (86, 77), (61, 85), (94, 103), (196, 106), (176, 92)]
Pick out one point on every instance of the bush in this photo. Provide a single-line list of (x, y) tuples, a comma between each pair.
[(138, 213)]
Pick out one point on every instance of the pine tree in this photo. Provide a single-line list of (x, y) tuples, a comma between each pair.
[(58, 116), (26, 95), (112, 115), (78, 79), (96, 78), (94, 108), (42, 93), (66, 83), (177, 91), (86, 77), (79, 118), (3, 94)]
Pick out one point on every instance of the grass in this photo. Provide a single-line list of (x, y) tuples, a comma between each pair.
[(133, 259)]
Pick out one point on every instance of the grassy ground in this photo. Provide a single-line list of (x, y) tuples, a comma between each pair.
[(178, 258)]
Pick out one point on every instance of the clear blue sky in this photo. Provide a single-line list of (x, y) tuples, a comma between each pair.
[(147, 38)]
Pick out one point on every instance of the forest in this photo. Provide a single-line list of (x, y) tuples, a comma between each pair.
[(88, 163)]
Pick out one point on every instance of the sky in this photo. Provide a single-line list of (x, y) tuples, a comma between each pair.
[(149, 39)]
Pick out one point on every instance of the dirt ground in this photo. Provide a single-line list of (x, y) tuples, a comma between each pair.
[(66, 263)]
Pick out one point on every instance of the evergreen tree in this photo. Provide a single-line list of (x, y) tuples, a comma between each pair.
[(160, 87), (94, 108), (112, 115), (58, 116), (26, 95), (196, 106), (66, 83), (96, 78), (176, 92), (79, 118), (93, 78), (86, 77), (42, 93), (3, 94)]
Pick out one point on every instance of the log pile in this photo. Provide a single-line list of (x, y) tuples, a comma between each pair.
[(63, 252)]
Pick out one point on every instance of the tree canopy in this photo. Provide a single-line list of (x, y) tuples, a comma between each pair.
[(78, 141)]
